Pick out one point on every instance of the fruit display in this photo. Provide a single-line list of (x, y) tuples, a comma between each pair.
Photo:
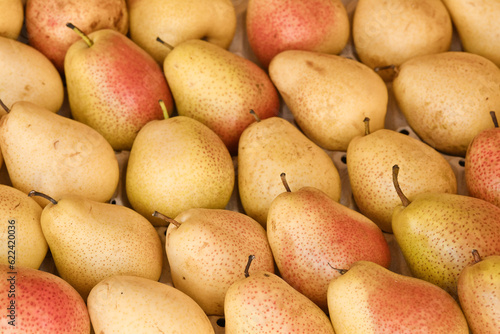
[(249, 166)]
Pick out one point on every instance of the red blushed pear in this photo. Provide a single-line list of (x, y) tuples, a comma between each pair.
[(114, 86), (38, 302)]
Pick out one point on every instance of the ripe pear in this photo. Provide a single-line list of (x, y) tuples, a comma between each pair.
[(329, 95), (369, 163), (39, 302), (218, 88), (477, 25), (387, 33), (369, 298), (65, 156), (436, 232), (478, 289), (11, 18), (132, 304), (114, 86), (262, 302), (176, 164), (482, 165), (20, 229), (446, 97), (28, 75), (91, 240), (308, 232), (207, 249), (270, 147)]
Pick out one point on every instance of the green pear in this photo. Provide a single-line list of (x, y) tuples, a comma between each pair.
[(369, 163), (368, 298), (11, 18), (270, 147), (477, 25), (65, 156), (308, 232), (176, 164), (207, 249), (132, 304), (478, 289), (262, 302), (388, 33), (446, 97), (20, 229), (436, 232), (28, 75), (218, 88), (114, 86), (328, 95), (90, 241)]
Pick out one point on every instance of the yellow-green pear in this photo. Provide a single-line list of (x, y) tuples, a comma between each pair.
[(57, 155), (273, 146), (329, 95), (478, 25), (447, 97), (133, 304), (11, 18), (28, 75), (369, 163), (478, 290), (20, 229), (90, 241), (368, 298), (176, 164), (387, 33), (262, 302), (436, 232)]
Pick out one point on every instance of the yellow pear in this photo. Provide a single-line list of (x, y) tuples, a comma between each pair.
[(90, 241), (57, 155), (329, 95), (132, 304), (273, 146), (11, 18), (20, 229)]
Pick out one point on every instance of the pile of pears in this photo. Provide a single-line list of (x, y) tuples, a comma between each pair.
[(197, 182)]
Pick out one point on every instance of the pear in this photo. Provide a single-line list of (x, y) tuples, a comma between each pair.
[(132, 304), (218, 88), (477, 25), (11, 18), (65, 156), (262, 302), (328, 95), (368, 298), (176, 164), (36, 301), (446, 97), (27, 74), (21, 232), (207, 249), (308, 232), (91, 240), (478, 289), (271, 146), (369, 163), (114, 86), (436, 232)]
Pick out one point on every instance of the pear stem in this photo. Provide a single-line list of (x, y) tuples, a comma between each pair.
[(4, 106), (395, 172), (367, 125), (494, 118), (340, 271), (257, 118), (285, 182), (36, 193), (164, 109), (477, 257), (81, 34), (166, 218), (250, 259), (158, 39)]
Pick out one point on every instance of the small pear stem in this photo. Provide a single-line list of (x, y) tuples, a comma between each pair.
[(164, 109), (166, 218), (250, 259), (477, 257), (158, 39), (395, 172), (81, 34), (36, 193), (367, 125), (4, 106), (340, 271), (257, 118), (494, 118), (285, 182)]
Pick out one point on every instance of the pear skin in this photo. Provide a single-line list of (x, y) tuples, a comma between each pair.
[(11, 18)]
